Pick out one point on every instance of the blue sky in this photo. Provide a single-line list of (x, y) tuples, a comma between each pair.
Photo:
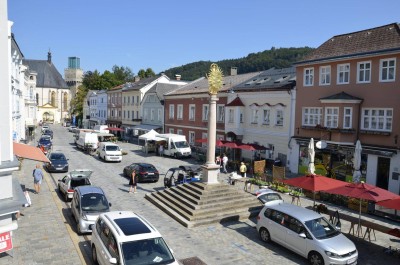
[(162, 34)]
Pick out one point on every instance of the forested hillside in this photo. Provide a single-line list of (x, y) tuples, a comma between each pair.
[(278, 58)]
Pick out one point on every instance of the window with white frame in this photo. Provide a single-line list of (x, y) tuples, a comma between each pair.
[(312, 116), (204, 136), (145, 114), (133, 114), (254, 116), (220, 113), (171, 111), (266, 114), (179, 115), (159, 114), (343, 72), (241, 116), (279, 117), (377, 119), (192, 138), (347, 117), (331, 117), (127, 112), (308, 76), (325, 75), (192, 112), (230, 115), (363, 72), (171, 130), (387, 69), (205, 112), (179, 131), (152, 114)]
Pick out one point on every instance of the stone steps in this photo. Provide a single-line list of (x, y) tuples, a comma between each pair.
[(194, 204)]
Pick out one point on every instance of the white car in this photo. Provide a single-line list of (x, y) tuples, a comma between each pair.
[(73, 179), (306, 233), (123, 237), (269, 197)]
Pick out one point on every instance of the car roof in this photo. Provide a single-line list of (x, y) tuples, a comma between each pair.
[(129, 226), (298, 212), (81, 173), (87, 189)]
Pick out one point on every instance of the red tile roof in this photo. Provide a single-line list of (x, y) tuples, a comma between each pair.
[(29, 152), (380, 39), (235, 103)]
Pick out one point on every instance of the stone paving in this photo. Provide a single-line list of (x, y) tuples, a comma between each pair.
[(47, 234)]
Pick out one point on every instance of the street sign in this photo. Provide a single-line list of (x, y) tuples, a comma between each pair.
[(5, 242)]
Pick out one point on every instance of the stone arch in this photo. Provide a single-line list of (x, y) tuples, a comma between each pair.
[(48, 116)]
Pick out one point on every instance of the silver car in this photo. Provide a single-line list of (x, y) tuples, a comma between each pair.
[(306, 233), (75, 178), (88, 202)]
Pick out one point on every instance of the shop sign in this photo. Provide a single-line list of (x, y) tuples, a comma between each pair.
[(5, 242)]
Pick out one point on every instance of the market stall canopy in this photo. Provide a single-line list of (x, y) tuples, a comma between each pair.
[(151, 135), (29, 152)]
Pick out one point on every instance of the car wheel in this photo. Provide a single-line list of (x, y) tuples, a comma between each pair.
[(175, 155), (94, 255), (315, 258), (264, 234)]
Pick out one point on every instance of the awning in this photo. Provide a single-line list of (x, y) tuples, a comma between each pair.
[(29, 152), (146, 127)]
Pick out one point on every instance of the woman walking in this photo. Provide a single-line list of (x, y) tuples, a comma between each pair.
[(133, 182)]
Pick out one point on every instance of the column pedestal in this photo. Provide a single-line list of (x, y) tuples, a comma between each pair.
[(210, 173)]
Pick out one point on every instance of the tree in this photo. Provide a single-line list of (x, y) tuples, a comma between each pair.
[(149, 72), (77, 101), (123, 74), (142, 73)]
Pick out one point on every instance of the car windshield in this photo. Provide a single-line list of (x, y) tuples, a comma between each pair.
[(112, 148), (94, 203), (267, 197), (181, 144), (57, 157), (147, 251), (321, 228)]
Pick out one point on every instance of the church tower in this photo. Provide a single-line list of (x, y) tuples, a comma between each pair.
[(73, 75)]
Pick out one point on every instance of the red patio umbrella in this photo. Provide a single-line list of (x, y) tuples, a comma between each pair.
[(392, 203), (363, 191), (315, 183), (218, 143)]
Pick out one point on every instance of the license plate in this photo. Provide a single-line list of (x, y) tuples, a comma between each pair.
[(150, 174), (352, 261), (59, 168)]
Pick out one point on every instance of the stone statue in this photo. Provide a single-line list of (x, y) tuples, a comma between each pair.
[(214, 79)]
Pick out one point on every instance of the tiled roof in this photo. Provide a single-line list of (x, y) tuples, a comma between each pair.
[(269, 79), (140, 84), (380, 39), (201, 85), (47, 74), (162, 88), (341, 96), (237, 102)]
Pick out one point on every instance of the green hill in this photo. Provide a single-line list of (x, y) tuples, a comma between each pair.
[(254, 62)]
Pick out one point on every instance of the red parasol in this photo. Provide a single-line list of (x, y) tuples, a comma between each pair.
[(392, 203)]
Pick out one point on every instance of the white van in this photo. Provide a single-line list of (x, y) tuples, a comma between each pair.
[(87, 140), (175, 145), (110, 152), (101, 128)]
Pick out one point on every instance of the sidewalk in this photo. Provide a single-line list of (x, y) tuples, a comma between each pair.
[(42, 236)]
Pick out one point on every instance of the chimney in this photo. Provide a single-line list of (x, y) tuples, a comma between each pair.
[(233, 70), (49, 57), (136, 78), (178, 77)]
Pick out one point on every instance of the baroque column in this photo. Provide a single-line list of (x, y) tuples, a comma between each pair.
[(210, 169)]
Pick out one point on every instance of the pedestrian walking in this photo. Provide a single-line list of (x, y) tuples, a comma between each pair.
[(243, 169), (37, 178), (161, 150), (224, 163), (133, 182)]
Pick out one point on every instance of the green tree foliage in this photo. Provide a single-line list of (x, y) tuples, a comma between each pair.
[(254, 62), (77, 101), (146, 73), (142, 73), (122, 73)]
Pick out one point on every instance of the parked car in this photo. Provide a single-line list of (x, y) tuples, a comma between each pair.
[(71, 128), (48, 132), (123, 237), (269, 197), (58, 163), (45, 142), (146, 172), (87, 203), (306, 233), (75, 178), (180, 175), (45, 127)]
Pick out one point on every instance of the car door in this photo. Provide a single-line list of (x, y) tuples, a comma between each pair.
[(64, 184), (75, 205), (293, 240), (108, 246), (275, 227)]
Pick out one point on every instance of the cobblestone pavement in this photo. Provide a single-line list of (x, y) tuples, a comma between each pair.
[(47, 233)]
